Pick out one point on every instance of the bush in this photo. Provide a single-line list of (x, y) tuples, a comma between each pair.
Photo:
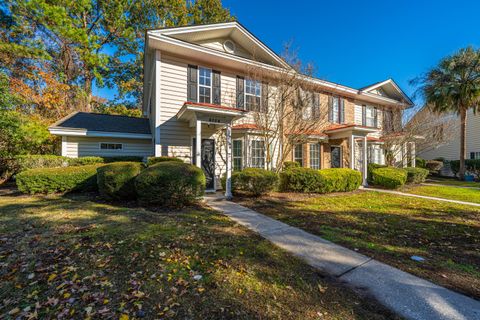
[(420, 162), (434, 166), (254, 180), (455, 167), (290, 164), (50, 180), (117, 180), (26, 162), (391, 178), (416, 175), (170, 183), (370, 168), (320, 181), (83, 161), (122, 159), (153, 160)]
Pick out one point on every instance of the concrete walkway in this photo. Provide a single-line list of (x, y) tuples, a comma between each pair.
[(405, 294), (419, 196)]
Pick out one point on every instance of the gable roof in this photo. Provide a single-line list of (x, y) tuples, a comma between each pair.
[(104, 123), (391, 88), (235, 31)]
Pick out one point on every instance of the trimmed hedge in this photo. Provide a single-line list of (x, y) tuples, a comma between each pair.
[(416, 175), (50, 180), (122, 159), (254, 180), (390, 178), (290, 164), (153, 160), (370, 168), (420, 162), (34, 161), (84, 161), (117, 180), (170, 183), (320, 181)]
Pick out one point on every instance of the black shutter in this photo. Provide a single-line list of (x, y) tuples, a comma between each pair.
[(240, 92), (264, 106), (192, 83), (316, 105), (342, 110), (330, 108), (364, 115), (216, 87)]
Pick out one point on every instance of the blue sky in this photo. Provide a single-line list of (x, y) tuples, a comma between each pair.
[(356, 43)]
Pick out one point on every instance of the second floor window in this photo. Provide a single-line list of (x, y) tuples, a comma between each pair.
[(253, 94), (336, 109), (298, 154), (204, 85), (369, 116)]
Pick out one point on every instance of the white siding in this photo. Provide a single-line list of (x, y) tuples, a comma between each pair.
[(358, 114), (90, 146)]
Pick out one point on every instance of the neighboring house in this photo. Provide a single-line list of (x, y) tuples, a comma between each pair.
[(199, 98)]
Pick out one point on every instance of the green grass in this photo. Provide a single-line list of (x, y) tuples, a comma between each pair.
[(453, 182), (71, 257), (446, 192), (391, 228)]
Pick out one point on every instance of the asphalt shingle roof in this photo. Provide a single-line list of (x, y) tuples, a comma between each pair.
[(107, 123)]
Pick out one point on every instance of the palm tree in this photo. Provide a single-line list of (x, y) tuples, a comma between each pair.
[(454, 86)]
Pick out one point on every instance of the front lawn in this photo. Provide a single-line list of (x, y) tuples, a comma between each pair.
[(71, 257), (446, 192), (391, 228), (453, 182)]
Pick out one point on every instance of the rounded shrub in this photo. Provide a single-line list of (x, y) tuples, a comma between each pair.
[(390, 178), (83, 161), (420, 162), (290, 164), (255, 181), (170, 183), (64, 179), (434, 166), (153, 160), (370, 168), (416, 175), (320, 181), (117, 180)]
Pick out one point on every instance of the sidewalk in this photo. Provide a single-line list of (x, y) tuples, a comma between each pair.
[(419, 196), (405, 294)]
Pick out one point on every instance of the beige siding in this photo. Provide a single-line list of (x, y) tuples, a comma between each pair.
[(89, 146)]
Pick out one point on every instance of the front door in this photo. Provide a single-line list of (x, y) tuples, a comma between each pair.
[(208, 161), (335, 155)]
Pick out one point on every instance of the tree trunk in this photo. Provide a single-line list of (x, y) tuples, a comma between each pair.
[(88, 93), (463, 142)]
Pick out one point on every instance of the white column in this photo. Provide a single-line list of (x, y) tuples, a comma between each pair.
[(413, 154), (405, 155), (64, 146), (228, 184), (352, 152), (365, 160), (198, 143)]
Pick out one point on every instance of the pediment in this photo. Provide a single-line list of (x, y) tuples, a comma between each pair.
[(387, 89)]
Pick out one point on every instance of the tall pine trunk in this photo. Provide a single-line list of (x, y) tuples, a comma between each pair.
[(463, 141)]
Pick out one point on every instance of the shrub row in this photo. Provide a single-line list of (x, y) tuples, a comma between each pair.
[(116, 180), (298, 179), (50, 180), (153, 160), (393, 178)]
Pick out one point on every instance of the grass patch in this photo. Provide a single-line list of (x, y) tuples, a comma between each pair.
[(391, 228), (454, 182), (446, 192), (70, 257)]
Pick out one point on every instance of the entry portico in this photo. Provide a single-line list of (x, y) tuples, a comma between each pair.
[(218, 116)]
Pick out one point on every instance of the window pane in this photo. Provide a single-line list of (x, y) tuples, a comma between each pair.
[(315, 156), (335, 110), (258, 154), (237, 155), (298, 154)]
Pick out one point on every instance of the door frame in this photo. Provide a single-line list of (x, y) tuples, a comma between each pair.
[(341, 155), (214, 159)]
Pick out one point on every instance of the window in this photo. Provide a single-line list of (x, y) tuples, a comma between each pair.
[(237, 155), (253, 94), (204, 85), (375, 154), (335, 157), (315, 155), (474, 155), (370, 116), (336, 109), (258, 154), (298, 154), (111, 146)]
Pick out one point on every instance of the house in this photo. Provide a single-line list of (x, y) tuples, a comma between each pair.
[(200, 102)]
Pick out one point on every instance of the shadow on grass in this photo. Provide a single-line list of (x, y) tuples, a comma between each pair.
[(136, 249)]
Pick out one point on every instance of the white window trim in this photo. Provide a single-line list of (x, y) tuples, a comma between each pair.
[(295, 154), (374, 110), (251, 152), (201, 85), (310, 155), (242, 156), (105, 142), (245, 93)]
